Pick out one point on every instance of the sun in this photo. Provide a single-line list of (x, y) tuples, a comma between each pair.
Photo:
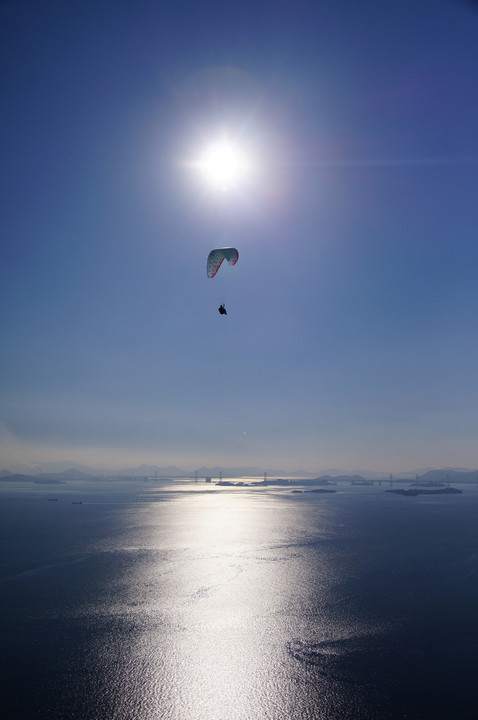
[(223, 165)]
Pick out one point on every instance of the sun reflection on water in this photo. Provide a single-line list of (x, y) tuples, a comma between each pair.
[(217, 607)]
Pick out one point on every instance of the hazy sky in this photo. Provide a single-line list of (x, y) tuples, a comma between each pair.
[(351, 334)]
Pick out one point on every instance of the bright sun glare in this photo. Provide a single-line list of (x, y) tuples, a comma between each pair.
[(224, 166)]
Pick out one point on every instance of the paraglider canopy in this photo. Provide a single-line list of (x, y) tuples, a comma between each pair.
[(217, 256)]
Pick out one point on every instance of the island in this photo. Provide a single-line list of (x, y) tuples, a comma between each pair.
[(425, 491)]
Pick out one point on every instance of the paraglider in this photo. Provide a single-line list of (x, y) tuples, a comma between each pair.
[(214, 261), (216, 257)]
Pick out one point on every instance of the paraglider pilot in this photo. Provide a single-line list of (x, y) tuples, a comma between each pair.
[(222, 310)]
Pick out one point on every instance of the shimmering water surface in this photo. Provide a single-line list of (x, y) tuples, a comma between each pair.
[(238, 604)]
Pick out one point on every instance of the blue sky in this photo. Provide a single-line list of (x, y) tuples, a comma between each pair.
[(351, 334)]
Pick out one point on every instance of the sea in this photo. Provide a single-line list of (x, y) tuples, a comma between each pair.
[(141, 601)]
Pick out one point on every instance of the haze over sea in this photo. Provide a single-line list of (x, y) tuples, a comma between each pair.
[(194, 602)]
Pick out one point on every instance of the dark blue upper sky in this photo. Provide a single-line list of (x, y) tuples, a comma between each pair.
[(351, 337)]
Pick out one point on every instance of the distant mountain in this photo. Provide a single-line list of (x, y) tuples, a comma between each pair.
[(22, 469), (71, 474), (62, 466), (249, 471), (69, 470), (17, 477), (449, 475), (333, 478), (297, 473), (411, 474), (151, 471), (367, 474), (246, 471)]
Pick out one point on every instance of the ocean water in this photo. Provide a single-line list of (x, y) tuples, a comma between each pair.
[(237, 604)]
